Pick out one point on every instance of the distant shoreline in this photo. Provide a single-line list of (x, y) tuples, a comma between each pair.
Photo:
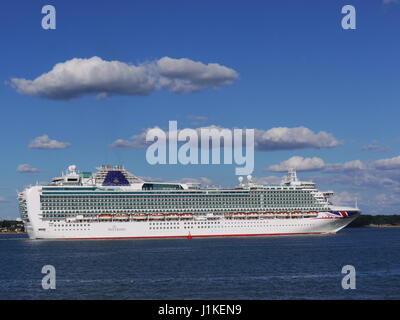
[(364, 221), (381, 226), (378, 226), (12, 232), (376, 221)]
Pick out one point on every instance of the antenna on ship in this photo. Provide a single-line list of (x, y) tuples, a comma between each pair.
[(249, 178), (292, 176), (356, 204)]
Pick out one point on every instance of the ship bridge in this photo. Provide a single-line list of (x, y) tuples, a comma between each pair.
[(292, 180)]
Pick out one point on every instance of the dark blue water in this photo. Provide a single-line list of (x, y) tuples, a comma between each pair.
[(304, 267)]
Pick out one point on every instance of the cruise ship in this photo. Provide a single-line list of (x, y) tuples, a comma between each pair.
[(115, 204)]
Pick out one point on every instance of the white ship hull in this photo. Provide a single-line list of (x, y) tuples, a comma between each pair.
[(188, 229)]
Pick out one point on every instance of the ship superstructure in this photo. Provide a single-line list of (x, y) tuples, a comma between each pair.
[(115, 204)]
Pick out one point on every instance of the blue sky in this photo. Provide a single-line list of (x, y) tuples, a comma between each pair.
[(296, 66)]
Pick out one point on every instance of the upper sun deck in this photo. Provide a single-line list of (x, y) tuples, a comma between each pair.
[(116, 178), (108, 177)]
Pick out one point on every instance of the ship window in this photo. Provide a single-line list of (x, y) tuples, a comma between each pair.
[(159, 186)]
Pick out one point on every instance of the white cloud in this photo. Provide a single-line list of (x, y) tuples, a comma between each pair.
[(184, 75), (139, 140), (284, 138), (136, 141), (264, 140), (26, 168), (152, 179), (299, 163), (354, 165), (365, 184), (197, 118), (202, 181), (376, 184), (317, 164), (123, 144), (274, 180), (386, 202), (344, 198), (346, 166), (76, 77), (387, 164), (374, 146), (368, 179), (44, 142)]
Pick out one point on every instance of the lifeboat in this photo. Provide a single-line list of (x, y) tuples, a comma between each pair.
[(266, 214), (186, 216), (252, 214), (121, 216), (172, 216), (240, 215), (105, 216), (139, 216), (156, 216), (211, 216)]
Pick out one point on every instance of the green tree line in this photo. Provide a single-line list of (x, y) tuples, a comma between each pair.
[(365, 220), (11, 225)]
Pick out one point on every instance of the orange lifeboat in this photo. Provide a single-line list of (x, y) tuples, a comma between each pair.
[(105, 216), (156, 216), (121, 216), (240, 215), (186, 216), (252, 214), (172, 216), (139, 216)]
